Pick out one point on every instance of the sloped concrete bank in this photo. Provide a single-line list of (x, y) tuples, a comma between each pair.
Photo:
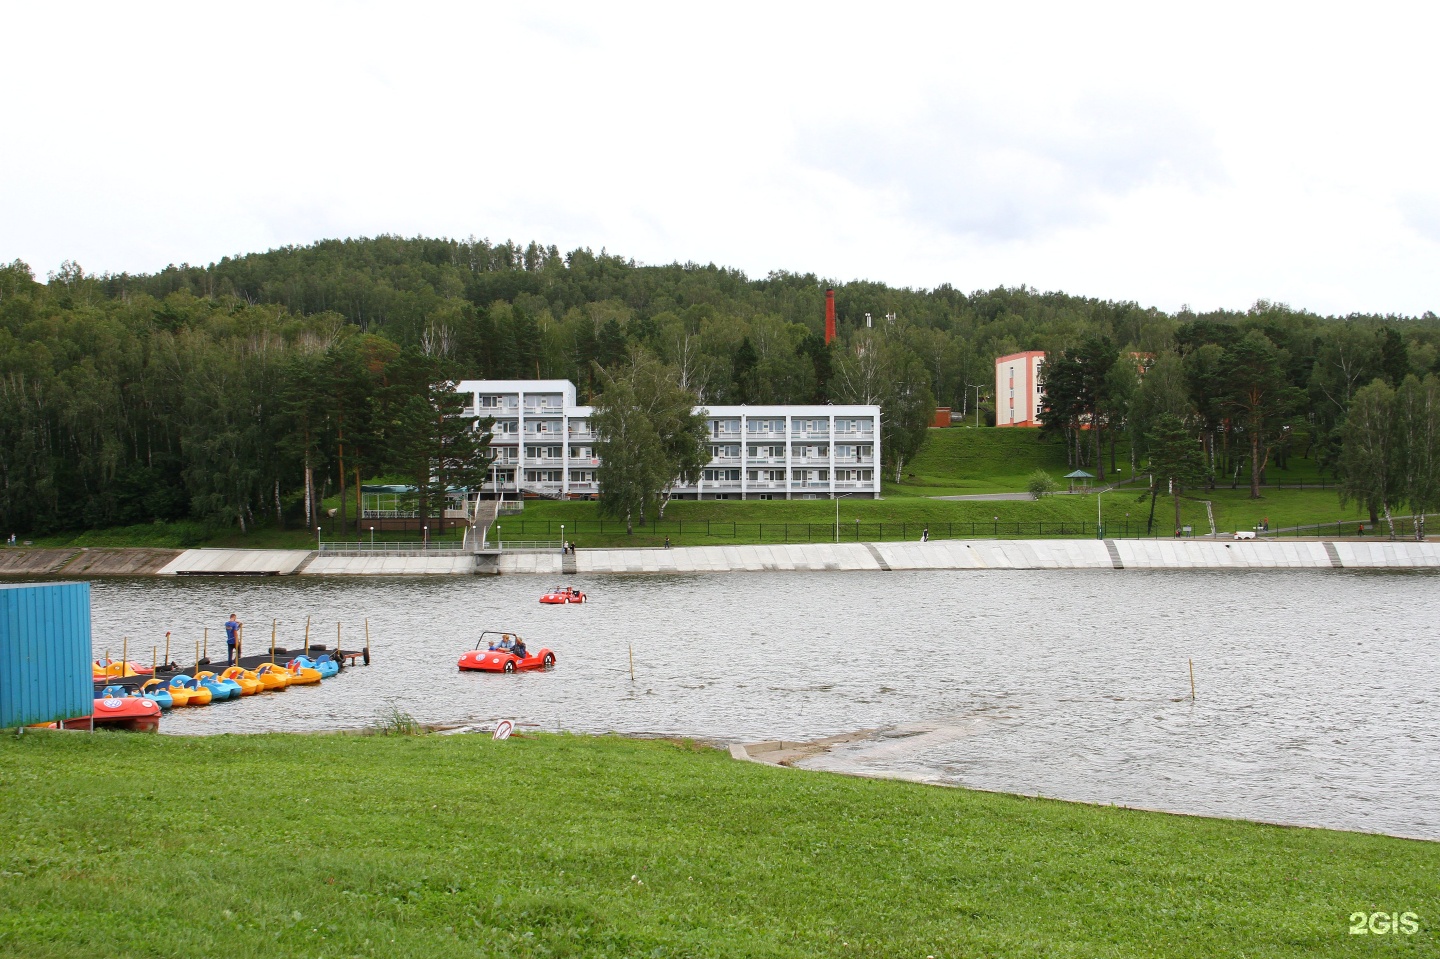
[(996, 554), (872, 557), (84, 563)]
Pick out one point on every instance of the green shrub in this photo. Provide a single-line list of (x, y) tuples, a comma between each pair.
[(1040, 483)]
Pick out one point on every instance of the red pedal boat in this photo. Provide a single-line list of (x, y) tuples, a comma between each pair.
[(504, 653), (116, 712), (563, 594)]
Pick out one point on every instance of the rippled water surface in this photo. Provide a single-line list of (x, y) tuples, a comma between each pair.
[(1316, 703)]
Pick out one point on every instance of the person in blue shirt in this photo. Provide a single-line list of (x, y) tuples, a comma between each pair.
[(232, 639)]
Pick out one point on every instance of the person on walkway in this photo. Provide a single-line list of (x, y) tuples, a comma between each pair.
[(667, 542), (925, 535), (232, 640)]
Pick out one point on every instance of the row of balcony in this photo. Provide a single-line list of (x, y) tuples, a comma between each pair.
[(766, 486), (734, 436), (793, 461)]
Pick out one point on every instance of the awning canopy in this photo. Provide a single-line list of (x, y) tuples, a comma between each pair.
[(1079, 474)]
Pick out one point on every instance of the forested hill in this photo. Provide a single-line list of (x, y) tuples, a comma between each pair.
[(210, 392), (510, 308)]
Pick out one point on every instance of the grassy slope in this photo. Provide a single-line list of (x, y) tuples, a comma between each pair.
[(567, 846), (968, 460), (953, 461)]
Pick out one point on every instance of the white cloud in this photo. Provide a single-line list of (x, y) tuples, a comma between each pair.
[(1210, 157), (971, 172)]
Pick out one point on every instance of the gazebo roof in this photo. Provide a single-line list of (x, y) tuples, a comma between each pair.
[(1079, 474)]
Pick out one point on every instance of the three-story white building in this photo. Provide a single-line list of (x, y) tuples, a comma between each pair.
[(544, 444)]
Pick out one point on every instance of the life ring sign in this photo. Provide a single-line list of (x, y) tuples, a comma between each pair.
[(503, 729)]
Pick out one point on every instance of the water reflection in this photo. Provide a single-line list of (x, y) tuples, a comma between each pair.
[(1315, 703)]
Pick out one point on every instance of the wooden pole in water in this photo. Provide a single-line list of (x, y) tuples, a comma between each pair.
[(167, 647), (337, 639), (367, 641), (124, 655), (307, 635), (207, 647), (632, 662), (273, 622), (154, 659), (196, 670), (1192, 680)]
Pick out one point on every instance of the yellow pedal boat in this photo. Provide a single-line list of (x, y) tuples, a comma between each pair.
[(199, 694), (180, 695), (273, 676), (302, 675), (249, 683)]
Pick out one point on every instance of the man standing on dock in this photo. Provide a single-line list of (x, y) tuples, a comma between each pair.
[(232, 640)]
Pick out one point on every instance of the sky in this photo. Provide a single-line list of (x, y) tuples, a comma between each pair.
[(1176, 155)]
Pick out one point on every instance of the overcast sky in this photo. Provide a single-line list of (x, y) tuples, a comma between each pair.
[(1171, 154)]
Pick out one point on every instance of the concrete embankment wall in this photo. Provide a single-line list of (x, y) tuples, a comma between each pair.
[(237, 562), (452, 565), (84, 563), (938, 554), (993, 554)]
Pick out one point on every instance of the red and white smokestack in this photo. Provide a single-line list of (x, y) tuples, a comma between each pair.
[(829, 316)]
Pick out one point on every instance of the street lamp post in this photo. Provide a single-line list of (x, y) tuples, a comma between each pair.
[(838, 498), (562, 537), (372, 537), (317, 539), (1099, 524)]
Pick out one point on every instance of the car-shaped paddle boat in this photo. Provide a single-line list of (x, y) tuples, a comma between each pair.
[(495, 653), (119, 712), (563, 594)]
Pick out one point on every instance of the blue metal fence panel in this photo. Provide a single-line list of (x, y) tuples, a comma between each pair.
[(44, 653)]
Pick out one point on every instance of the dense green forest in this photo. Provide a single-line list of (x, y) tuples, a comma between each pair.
[(242, 392)]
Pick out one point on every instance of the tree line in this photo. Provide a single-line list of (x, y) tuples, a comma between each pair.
[(1232, 399), (247, 390)]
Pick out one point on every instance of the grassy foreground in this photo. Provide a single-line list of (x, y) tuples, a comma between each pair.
[(431, 846)]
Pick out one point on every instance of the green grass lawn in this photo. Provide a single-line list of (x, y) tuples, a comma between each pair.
[(338, 846), (985, 460), (953, 461)]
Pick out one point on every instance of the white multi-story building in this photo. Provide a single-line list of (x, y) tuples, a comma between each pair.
[(544, 443)]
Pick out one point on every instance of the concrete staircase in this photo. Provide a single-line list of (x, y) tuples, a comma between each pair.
[(482, 514)]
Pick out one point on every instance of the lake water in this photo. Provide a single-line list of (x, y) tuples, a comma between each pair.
[(1316, 691)]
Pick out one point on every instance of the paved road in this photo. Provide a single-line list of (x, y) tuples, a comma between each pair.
[(989, 497)]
